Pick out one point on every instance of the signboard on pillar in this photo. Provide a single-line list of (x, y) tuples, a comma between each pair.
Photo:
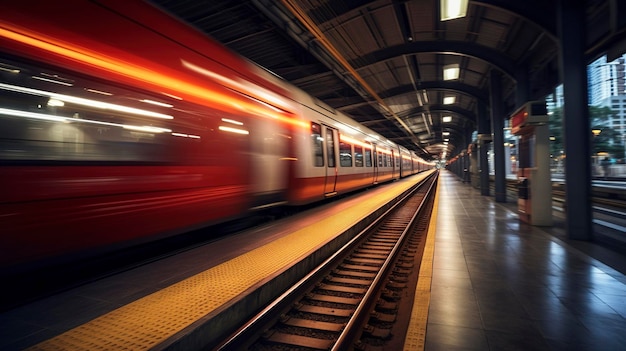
[(531, 114), (534, 182)]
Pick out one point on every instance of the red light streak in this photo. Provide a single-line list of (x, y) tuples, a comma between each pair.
[(145, 75)]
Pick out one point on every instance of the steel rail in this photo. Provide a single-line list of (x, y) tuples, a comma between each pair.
[(346, 338), (251, 329)]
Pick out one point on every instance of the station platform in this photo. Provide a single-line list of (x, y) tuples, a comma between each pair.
[(499, 284), (182, 301)]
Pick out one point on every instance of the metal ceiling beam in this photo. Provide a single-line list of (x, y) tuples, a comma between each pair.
[(540, 12), (486, 54), (314, 30), (480, 95), (466, 114)]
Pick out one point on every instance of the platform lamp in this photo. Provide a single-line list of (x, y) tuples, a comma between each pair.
[(451, 9)]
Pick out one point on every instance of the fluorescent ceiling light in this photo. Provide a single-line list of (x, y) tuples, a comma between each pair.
[(451, 9), (448, 100), (451, 72), (445, 133), (447, 119)]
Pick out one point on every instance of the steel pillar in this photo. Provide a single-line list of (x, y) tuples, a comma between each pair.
[(576, 124), (497, 127)]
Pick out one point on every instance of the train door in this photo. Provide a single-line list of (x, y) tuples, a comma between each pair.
[(330, 153), (392, 164), (376, 163)]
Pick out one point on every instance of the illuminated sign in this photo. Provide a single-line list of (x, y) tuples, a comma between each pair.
[(531, 113)]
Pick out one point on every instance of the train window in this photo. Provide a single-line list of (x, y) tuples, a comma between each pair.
[(318, 151), (358, 156), (330, 147), (345, 154), (368, 157), (61, 117), (380, 159)]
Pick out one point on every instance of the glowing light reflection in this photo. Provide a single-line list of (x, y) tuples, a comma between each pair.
[(84, 102), (234, 130), (228, 120), (157, 103), (47, 117)]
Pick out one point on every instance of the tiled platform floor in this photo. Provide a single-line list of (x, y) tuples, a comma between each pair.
[(499, 284)]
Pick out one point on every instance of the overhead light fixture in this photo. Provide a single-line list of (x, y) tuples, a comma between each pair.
[(447, 119), (449, 100), (451, 72), (445, 133), (451, 9)]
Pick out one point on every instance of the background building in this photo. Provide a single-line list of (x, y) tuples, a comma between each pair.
[(606, 79)]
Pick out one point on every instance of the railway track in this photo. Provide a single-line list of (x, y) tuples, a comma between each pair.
[(350, 301)]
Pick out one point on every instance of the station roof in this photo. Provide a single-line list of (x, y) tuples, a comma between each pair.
[(381, 62)]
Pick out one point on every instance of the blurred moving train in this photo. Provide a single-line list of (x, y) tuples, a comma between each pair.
[(120, 125)]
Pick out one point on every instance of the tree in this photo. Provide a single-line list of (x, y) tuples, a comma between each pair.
[(555, 125), (607, 139)]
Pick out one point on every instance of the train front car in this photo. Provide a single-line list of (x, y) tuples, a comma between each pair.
[(121, 125)]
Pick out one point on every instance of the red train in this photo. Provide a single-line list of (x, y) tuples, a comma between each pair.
[(121, 125)]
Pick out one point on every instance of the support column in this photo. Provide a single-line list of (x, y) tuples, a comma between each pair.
[(474, 175), (466, 175), (576, 124), (541, 182), (497, 123), (483, 135)]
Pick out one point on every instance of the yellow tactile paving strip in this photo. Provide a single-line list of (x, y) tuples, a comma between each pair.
[(151, 320), (416, 332)]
